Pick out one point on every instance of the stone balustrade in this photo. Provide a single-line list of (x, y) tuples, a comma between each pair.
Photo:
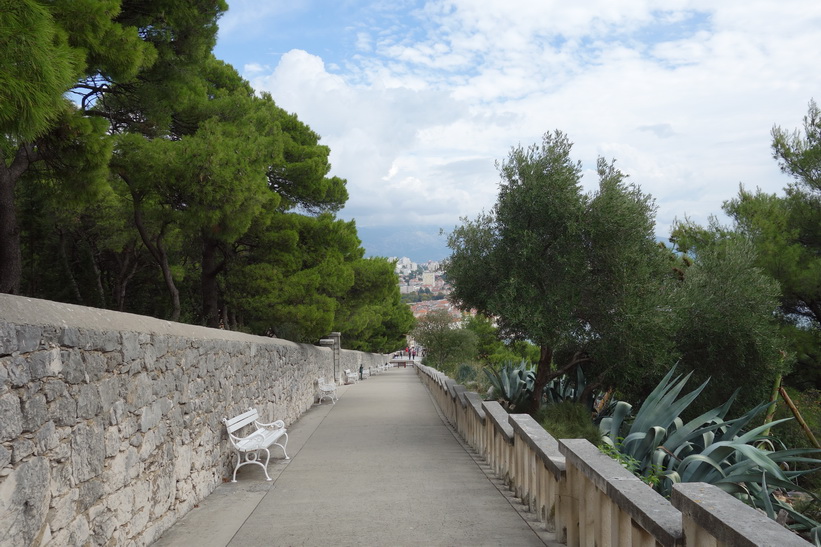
[(587, 498), (110, 423)]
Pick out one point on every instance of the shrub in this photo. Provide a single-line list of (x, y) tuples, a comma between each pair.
[(708, 449), (568, 420)]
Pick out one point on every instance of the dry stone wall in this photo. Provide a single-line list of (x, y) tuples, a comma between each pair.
[(110, 423)]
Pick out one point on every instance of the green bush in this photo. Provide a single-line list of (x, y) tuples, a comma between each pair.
[(568, 420), (792, 435), (512, 384), (729, 453)]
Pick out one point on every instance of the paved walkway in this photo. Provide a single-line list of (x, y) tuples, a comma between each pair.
[(381, 467)]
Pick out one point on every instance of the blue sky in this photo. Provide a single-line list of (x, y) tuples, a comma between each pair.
[(418, 99)]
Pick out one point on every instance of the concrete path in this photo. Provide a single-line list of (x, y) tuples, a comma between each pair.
[(381, 467)]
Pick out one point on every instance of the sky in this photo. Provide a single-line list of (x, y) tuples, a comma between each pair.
[(418, 100)]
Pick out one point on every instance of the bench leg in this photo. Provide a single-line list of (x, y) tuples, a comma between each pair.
[(282, 446), (253, 457)]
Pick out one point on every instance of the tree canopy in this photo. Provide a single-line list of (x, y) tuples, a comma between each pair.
[(582, 276), (141, 173)]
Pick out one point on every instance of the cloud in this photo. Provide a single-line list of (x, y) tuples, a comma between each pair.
[(683, 93)]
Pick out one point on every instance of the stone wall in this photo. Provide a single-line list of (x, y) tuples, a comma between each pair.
[(110, 423)]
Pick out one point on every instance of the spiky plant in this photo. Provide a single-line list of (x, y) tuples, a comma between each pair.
[(708, 448), (512, 384)]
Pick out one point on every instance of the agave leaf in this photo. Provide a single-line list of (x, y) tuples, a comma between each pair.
[(612, 425), (737, 424), (750, 435), (667, 408), (692, 470), (752, 478), (765, 497), (695, 426), (652, 439)]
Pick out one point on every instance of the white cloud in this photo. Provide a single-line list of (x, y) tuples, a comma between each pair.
[(682, 93)]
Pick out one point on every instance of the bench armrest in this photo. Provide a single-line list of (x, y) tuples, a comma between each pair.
[(279, 424)]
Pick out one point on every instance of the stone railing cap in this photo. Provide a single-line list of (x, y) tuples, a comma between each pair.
[(646, 507), (728, 519), (498, 417), (475, 402)]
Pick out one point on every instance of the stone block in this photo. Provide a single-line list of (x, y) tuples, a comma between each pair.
[(26, 499), (53, 388), (88, 401), (28, 338), (70, 337), (131, 347), (87, 451), (63, 510), (21, 448), (46, 438), (8, 338), (63, 411), (45, 363), (5, 456), (109, 391), (95, 365), (105, 341), (90, 493), (4, 375), (73, 366), (35, 412), (18, 370), (12, 423)]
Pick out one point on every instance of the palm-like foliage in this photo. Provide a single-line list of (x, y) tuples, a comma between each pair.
[(512, 384), (708, 448)]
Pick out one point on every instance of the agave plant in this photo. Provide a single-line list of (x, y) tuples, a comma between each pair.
[(564, 388), (708, 448), (512, 384)]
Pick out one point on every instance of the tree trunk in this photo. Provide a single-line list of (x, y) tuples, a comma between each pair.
[(157, 250), (11, 259), (543, 376), (210, 288)]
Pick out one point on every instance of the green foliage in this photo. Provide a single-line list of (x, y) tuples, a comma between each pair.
[(654, 475), (785, 232), (578, 274), (512, 385), (568, 420), (37, 67), (723, 319), (217, 206), (445, 345), (371, 314), (708, 448)]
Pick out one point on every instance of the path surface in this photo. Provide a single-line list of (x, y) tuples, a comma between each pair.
[(380, 467)]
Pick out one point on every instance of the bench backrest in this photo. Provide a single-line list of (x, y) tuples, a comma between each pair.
[(321, 381), (238, 422)]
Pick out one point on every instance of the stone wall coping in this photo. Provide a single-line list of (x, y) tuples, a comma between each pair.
[(498, 417), (728, 519), (459, 394), (475, 403), (645, 506), (32, 311), (540, 441)]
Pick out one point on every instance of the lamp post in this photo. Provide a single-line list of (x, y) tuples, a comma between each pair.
[(334, 341)]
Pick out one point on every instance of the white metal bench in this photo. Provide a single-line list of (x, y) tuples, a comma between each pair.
[(350, 377), (326, 390), (248, 448)]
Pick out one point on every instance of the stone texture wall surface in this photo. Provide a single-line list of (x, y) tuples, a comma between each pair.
[(110, 423)]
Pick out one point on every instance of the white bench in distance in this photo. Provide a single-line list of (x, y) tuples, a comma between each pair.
[(248, 448), (350, 377), (326, 389)]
